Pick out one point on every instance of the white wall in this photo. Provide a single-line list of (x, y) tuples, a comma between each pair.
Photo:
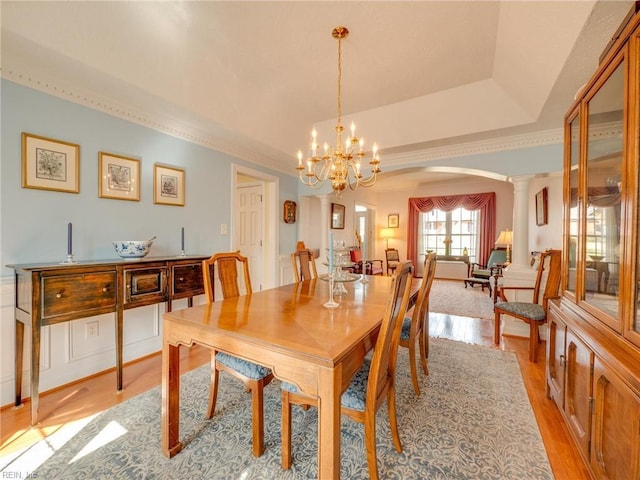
[(543, 237)]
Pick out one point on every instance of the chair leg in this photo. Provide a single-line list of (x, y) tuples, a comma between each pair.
[(423, 352), (370, 443), (412, 365), (393, 420), (257, 417), (213, 389), (285, 457), (533, 341), (496, 329)]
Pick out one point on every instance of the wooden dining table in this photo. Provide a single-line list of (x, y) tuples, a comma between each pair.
[(290, 331)]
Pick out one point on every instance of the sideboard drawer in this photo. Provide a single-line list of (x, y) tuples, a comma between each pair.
[(187, 280), (144, 285), (86, 292)]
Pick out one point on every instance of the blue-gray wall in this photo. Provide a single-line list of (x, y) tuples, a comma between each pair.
[(34, 222)]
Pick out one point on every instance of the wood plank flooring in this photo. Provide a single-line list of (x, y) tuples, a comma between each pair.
[(60, 408)]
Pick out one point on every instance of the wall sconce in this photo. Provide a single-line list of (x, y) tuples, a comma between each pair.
[(386, 234)]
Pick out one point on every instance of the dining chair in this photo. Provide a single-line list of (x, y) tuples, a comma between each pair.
[(371, 385), (254, 376), (415, 328), (304, 265), (393, 258), (534, 313)]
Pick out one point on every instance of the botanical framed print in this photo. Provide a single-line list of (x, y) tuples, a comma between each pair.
[(289, 213), (337, 216), (49, 164), (393, 221), (541, 207), (168, 185), (119, 177)]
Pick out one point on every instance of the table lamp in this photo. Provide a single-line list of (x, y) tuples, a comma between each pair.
[(506, 238)]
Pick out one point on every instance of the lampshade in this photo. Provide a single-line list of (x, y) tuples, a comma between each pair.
[(505, 238), (386, 233)]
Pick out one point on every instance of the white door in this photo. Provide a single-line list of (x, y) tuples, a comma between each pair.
[(250, 230)]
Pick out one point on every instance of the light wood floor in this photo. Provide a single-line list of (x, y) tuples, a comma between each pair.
[(59, 409)]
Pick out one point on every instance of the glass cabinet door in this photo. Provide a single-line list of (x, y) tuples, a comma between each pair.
[(573, 212), (602, 217)]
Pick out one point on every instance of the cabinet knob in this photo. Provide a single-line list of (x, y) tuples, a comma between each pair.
[(181, 279), (58, 295), (105, 289), (563, 360)]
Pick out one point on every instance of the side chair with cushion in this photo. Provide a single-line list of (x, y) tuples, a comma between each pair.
[(534, 313), (416, 327), (369, 387), (304, 265), (371, 267), (254, 376), (393, 258)]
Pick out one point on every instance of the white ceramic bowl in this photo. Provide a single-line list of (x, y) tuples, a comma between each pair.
[(132, 248)]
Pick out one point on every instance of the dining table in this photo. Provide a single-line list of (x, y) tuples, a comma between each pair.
[(289, 330)]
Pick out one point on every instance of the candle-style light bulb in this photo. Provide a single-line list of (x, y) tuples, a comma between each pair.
[(362, 144), (353, 129), (309, 166), (299, 158), (375, 149), (326, 148)]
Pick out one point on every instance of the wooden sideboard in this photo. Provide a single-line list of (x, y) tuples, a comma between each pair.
[(50, 293)]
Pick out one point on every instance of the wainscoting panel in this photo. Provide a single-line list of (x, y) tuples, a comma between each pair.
[(74, 350)]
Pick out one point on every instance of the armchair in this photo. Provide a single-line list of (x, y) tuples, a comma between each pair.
[(371, 267), (494, 264)]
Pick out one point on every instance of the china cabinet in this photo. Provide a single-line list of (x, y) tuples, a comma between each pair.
[(593, 346)]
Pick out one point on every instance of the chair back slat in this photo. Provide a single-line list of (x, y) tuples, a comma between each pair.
[(383, 361), (226, 264), (304, 265), (421, 309), (550, 261)]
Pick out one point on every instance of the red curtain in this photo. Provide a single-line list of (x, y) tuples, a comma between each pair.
[(485, 202)]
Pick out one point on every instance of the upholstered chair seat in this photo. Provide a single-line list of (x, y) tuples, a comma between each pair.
[(532, 311), (244, 367)]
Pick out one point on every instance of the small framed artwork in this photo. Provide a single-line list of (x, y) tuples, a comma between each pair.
[(289, 212), (119, 177), (337, 216), (168, 185), (49, 164), (394, 220), (541, 207)]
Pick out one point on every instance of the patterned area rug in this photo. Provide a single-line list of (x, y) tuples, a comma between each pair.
[(472, 421), (451, 297)]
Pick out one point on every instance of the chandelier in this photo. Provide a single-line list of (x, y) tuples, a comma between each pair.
[(341, 163)]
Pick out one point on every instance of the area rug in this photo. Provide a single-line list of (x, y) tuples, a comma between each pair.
[(472, 421), (448, 296)]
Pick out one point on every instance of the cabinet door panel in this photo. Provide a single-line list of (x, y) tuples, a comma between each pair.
[(556, 360), (578, 391), (616, 424)]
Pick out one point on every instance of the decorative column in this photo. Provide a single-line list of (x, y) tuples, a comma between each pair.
[(520, 247)]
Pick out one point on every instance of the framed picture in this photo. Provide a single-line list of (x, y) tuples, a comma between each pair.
[(541, 207), (337, 216), (289, 212), (394, 220), (168, 185), (119, 177), (49, 164)]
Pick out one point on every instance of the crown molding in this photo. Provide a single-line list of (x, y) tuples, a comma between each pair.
[(158, 123)]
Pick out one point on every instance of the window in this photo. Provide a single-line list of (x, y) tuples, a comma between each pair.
[(449, 233)]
